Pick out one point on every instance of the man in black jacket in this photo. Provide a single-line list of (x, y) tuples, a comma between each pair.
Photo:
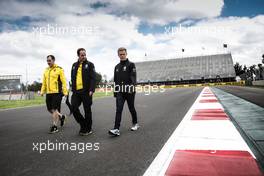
[(83, 87), (125, 81)]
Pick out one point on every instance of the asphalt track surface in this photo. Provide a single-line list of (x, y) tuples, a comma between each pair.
[(251, 94), (130, 154)]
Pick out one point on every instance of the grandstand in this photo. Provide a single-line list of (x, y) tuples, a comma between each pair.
[(11, 88), (199, 69), (10, 83)]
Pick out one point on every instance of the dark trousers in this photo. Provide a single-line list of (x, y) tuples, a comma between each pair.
[(120, 100), (86, 120)]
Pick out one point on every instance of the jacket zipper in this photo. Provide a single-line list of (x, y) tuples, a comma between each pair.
[(49, 80)]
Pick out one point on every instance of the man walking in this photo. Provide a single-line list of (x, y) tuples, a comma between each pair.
[(125, 81), (54, 85), (83, 87)]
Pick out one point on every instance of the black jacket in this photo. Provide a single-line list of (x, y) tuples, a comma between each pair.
[(88, 76), (125, 77)]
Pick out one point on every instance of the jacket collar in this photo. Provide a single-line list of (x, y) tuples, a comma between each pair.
[(85, 61), (124, 61), (54, 66)]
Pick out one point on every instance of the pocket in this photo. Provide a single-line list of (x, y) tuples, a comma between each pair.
[(87, 99)]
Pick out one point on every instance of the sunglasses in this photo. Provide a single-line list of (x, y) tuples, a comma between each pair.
[(48, 60)]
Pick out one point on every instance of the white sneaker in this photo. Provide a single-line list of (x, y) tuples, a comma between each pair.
[(114, 132), (135, 127)]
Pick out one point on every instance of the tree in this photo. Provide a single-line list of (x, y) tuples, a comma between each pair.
[(252, 68), (36, 86), (260, 71), (98, 78), (245, 69), (238, 69), (105, 79), (23, 87)]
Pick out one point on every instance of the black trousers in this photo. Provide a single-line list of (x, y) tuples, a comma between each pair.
[(120, 100), (86, 120)]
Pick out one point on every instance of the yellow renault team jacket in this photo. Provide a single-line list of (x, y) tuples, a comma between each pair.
[(54, 81)]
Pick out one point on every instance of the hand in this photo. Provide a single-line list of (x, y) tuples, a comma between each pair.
[(41, 95), (90, 93)]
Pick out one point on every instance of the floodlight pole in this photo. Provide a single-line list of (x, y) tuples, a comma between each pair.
[(26, 80)]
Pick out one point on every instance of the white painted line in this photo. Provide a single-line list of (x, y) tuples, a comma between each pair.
[(208, 106), (198, 134), (161, 162), (211, 134)]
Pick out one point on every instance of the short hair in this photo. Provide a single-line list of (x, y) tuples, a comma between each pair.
[(79, 50), (121, 49), (52, 57)]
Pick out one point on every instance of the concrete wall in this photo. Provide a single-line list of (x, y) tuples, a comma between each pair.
[(258, 83), (18, 96)]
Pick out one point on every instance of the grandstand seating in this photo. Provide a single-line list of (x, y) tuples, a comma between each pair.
[(189, 68)]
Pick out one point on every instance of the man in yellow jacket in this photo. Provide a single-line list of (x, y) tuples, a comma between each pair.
[(54, 86)]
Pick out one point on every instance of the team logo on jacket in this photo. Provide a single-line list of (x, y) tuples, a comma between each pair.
[(134, 70), (124, 68), (117, 70), (86, 66)]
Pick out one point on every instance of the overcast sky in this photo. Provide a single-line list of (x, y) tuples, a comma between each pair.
[(150, 30)]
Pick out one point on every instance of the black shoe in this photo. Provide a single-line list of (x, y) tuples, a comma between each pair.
[(85, 133), (62, 120), (81, 132), (53, 129), (82, 129)]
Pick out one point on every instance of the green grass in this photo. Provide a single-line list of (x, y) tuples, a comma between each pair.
[(102, 94), (4, 104)]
